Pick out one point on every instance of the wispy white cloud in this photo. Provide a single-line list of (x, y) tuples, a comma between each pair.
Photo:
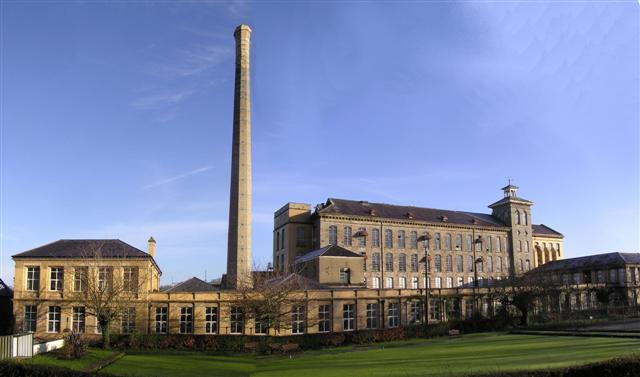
[(160, 100), (238, 8), (177, 177), (189, 61)]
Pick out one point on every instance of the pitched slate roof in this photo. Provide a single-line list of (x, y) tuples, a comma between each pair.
[(400, 212), (5, 291), (543, 230), (108, 248), (327, 251), (192, 285), (590, 262), (297, 282)]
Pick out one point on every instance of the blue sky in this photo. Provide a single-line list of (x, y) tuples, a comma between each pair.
[(116, 117)]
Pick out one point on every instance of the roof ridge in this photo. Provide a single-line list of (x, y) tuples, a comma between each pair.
[(413, 206)]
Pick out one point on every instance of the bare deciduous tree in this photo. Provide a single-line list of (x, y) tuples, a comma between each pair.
[(106, 286), (272, 297)]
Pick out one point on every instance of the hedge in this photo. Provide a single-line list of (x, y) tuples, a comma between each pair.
[(225, 344), (12, 369)]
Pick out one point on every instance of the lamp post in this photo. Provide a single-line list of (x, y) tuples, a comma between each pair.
[(476, 242), (425, 238)]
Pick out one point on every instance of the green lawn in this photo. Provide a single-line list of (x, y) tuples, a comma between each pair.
[(437, 357), (93, 357)]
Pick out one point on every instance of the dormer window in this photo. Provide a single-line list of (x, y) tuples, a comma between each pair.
[(372, 212), (444, 218), (409, 215)]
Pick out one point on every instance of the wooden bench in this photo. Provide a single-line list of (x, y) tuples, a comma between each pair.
[(454, 332)]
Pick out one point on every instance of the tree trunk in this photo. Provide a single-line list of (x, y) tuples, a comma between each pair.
[(524, 317), (106, 336)]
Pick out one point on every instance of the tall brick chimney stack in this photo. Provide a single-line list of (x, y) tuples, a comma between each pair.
[(239, 243)]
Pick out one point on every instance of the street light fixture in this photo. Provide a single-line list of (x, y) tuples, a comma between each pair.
[(425, 238)]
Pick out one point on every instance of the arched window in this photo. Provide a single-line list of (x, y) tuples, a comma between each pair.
[(458, 242), (376, 282), (401, 239), (526, 220), (489, 244), (347, 236), (438, 263), (460, 263), (388, 262), (469, 242), (447, 241), (402, 262), (517, 217), (375, 262), (388, 283), (414, 240), (388, 238), (375, 238), (526, 247), (519, 246), (333, 235), (438, 242), (449, 263), (362, 239), (498, 244)]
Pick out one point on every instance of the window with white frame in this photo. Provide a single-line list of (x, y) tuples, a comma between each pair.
[(297, 319), (449, 282), (402, 282), (470, 280), (388, 262), (402, 262), (460, 281), (211, 320), (415, 312), (348, 317), (333, 235), (375, 262), (161, 320), (104, 278), (130, 279), (33, 278), (401, 241), (362, 239), (186, 320), (128, 320), (414, 262), (388, 282), (53, 319), (393, 314), (375, 238), (30, 318), (261, 325), (388, 238), (324, 318), (372, 315), (438, 282), (376, 282), (414, 282), (438, 263), (344, 275), (237, 320), (347, 236), (56, 281), (79, 278), (78, 319)]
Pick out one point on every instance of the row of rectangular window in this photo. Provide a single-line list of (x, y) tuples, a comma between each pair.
[(104, 278), (449, 282), (437, 262), (487, 243)]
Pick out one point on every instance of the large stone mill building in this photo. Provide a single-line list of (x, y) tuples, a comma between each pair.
[(361, 264)]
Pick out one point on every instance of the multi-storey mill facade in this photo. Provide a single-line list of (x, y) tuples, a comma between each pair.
[(462, 246)]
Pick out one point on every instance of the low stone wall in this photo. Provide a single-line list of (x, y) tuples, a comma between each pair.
[(47, 346)]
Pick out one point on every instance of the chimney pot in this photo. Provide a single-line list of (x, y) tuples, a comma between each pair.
[(152, 246)]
